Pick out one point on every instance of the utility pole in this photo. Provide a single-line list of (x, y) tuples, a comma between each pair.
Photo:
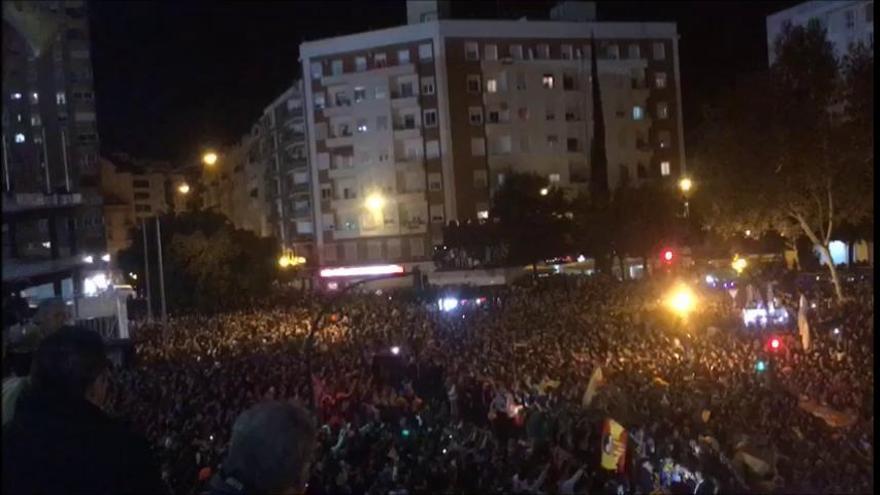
[(147, 270), (161, 272)]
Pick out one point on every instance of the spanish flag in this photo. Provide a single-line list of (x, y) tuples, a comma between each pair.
[(613, 446)]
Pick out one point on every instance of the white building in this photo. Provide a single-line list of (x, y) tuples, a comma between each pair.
[(414, 126), (846, 22)]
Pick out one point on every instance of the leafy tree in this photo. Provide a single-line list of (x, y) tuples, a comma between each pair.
[(208, 263), (531, 225), (644, 219), (773, 157)]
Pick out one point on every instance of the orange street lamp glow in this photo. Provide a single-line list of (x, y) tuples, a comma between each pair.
[(183, 188), (209, 158)]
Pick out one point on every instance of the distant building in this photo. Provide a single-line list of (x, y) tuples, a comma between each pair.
[(263, 182), (847, 22), (53, 233), (135, 190), (415, 126)]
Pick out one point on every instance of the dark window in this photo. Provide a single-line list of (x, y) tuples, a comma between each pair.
[(642, 173), (140, 183), (144, 208), (255, 192), (572, 144), (141, 195)]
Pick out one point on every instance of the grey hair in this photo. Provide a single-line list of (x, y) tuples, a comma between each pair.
[(271, 447)]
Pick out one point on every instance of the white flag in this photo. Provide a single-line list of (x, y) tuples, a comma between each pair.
[(803, 324), (770, 305), (590, 392)]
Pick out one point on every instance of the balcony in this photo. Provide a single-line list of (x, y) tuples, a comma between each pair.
[(339, 139), (406, 131)]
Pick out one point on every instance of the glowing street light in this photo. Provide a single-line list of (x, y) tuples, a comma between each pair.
[(739, 264), (545, 191), (209, 158), (682, 301), (183, 188), (685, 184), (395, 350), (284, 261), (375, 202)]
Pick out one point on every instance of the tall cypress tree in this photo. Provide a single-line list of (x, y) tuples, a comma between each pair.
[(598, 157)]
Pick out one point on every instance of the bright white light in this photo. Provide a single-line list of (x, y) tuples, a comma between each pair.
[(89, 287), (556, 268), (358, 271), (47, 244), (19, 138), (332, 286), (836, 331), (89, 259), (748, 233), (581, 258), (16, 96), (375, 202), (106, 257), (101, 281), (448, 304), (544, 191), (395, 350), (710, 280)]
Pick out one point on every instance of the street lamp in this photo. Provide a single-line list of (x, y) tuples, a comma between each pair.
[(183, 188), (375, 202), (685, 184), (209, 158), (545, 191)]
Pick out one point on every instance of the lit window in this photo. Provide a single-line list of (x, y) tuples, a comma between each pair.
[(547, 81), (660, 80), (360, 93), (483, 214), (471, 51), (35, 120), (360, 64), (35, 97), (19, 138), (492, 86), (403, 57), (426, 52), (60, 98), (664, 168), (16, 96), (554, 177), (336, 67), (638, 113), (380, 60)]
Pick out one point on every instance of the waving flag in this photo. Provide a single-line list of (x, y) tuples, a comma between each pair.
[(613, 446), (803, 324), (595, 381)]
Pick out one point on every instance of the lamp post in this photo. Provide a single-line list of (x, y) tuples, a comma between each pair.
[(209, 158), (685, 185)]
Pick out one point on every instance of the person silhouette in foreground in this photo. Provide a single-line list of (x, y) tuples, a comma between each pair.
[(60, 440), (270, 452)]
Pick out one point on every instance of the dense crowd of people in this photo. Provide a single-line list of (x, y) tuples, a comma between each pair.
[(489, 398)]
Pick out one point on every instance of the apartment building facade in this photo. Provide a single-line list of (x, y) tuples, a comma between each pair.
[(53, 232), (415, 126), (846, 22), (134, 191)]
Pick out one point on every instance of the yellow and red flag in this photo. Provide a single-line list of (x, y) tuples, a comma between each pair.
[(613, 446)]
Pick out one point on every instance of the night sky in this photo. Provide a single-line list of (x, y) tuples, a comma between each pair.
[(172, 77)]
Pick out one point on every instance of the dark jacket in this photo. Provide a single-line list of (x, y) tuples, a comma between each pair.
[(69, 446)]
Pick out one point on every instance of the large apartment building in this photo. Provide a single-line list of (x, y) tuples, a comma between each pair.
[(415, 126), (262, 182), (846, 22), (53, 233)]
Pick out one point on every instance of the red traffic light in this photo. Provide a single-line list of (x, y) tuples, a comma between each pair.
[(774, 343), (667, 255)]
